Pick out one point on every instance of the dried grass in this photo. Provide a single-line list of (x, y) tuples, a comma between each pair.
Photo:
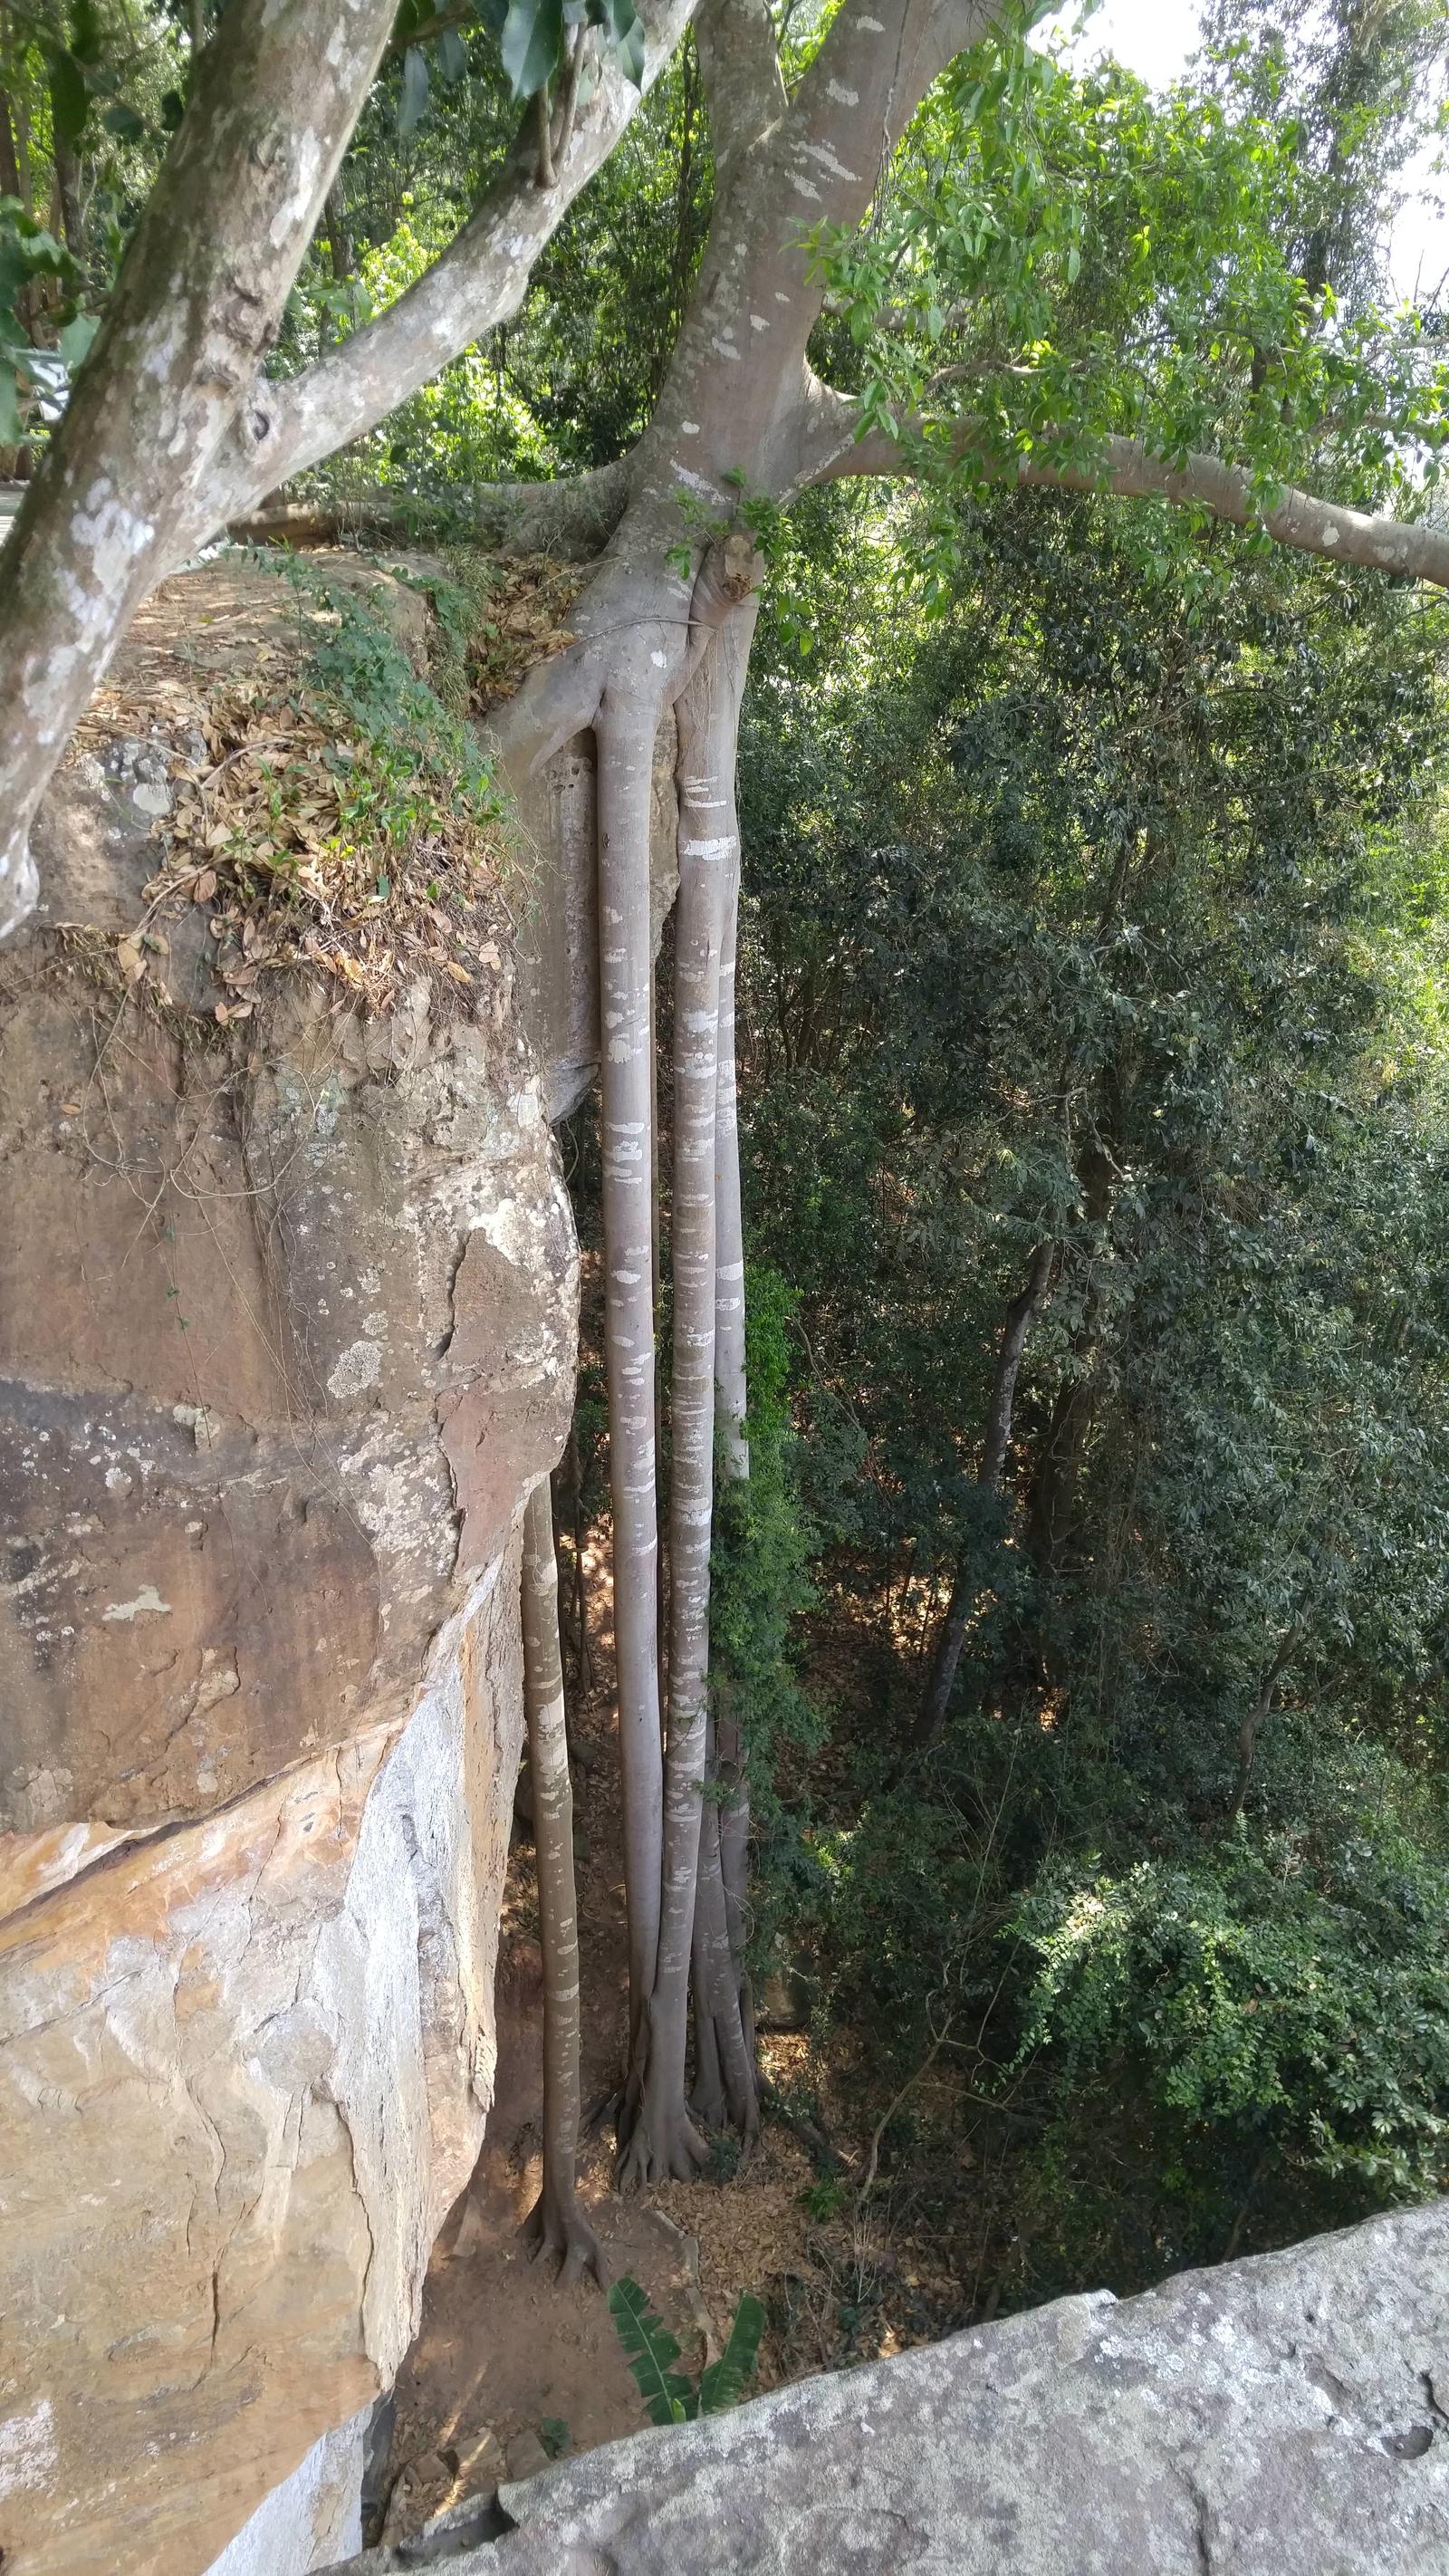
[(301, 832)]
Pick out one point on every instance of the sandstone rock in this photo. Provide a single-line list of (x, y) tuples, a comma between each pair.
[(285, 1338), (1283, 2413), (420, 2495), (526, 2456)]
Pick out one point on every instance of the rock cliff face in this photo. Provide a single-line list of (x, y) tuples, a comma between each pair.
[(287, 1320)]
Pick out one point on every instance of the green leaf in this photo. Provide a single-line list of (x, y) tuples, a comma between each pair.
[(123, 121), (650, 2348), (725, 2381), (532, 44), (9, 405), (414, 89), (626, 38), (75, 340)]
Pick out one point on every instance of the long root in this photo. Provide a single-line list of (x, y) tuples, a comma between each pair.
[(678, 2154)]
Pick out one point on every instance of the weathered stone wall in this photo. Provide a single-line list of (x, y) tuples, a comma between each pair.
[(287, 1327)]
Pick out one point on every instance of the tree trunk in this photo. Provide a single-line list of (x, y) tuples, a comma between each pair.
[(628, 724), (67, 182), (1021, 1314), (734, 2009), (9, 164), (717, 1994), (729, 1304), (662, 2140), (556, 2225), (707, 2095), (1255, 1720), (339, 235)]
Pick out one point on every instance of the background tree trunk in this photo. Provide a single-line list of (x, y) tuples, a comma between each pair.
[(1021, 1314)]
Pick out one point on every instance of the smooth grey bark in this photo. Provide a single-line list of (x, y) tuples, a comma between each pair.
[(662, 2140), (1415, 548), (725, 1856), (556, 2225), (729, 1305), (1021, 1314), (628, 720)]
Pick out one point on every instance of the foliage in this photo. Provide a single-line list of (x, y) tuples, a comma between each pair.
[(1286, 1999), (670, 2396), (420, 762), (33, 373), (468, 424), (1110, 909), (1065, 257)]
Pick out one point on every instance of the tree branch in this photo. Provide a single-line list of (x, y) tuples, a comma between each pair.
[(734, 383), (195, 308), (1308, 525), (739, 64), (479, 281), (1414, 548), (461, 14), (573, 518)]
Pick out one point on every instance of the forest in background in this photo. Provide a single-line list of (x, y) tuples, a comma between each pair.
[(1085, 1613)]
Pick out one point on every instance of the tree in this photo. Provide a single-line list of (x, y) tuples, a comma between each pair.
[(742, 425), (173, 427), (1236, 1382), (1056, 286)]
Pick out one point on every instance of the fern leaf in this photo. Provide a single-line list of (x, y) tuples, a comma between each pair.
[(649, 2348), (725, 2381)]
